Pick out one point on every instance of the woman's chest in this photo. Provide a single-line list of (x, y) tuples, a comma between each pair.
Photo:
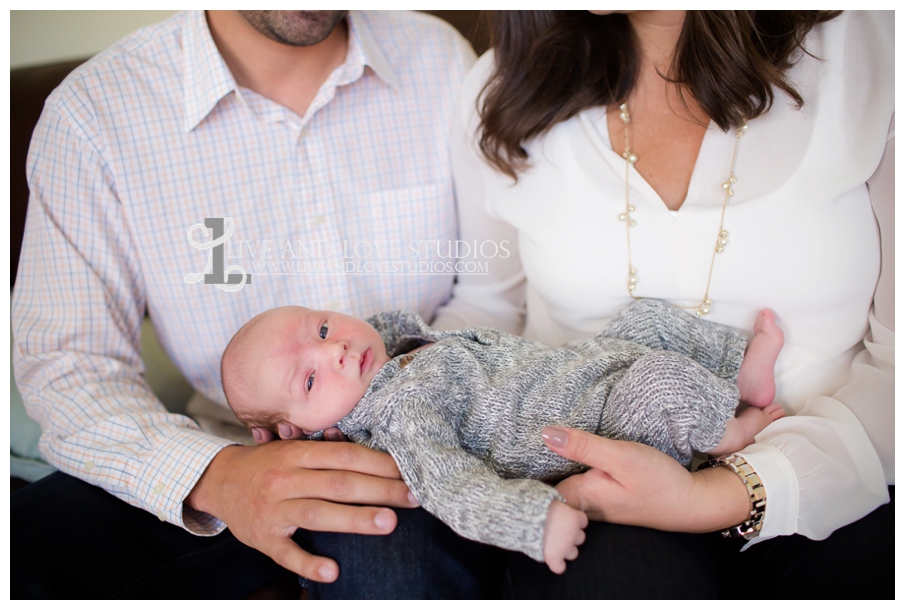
[(804, 246)]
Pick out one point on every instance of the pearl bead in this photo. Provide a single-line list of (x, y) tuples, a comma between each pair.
[(623, 216), (719, 249), (631, 208), (632, 158), (705, 310), (632, 279), (726, 185), (724, 242)]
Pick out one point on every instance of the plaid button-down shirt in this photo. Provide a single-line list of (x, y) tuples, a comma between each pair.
[(338, 209)]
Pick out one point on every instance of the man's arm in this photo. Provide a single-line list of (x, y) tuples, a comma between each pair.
[(76, 315), (77, 311)]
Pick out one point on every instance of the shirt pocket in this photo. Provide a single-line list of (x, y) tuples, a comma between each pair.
[(418, 220)]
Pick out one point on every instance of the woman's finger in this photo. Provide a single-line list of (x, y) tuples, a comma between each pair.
[(586, 448)]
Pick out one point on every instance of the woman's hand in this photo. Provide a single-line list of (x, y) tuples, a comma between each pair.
[(634, 484)]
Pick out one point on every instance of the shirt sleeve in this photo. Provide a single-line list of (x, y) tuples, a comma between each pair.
[(461, 489), (495, 295), (76, 313), (829, 465)]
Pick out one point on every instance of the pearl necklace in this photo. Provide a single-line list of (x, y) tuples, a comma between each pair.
[(722, 239)]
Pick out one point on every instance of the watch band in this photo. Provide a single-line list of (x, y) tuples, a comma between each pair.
[(750, 528)]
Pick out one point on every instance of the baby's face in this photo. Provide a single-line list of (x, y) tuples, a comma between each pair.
[(311, 367)]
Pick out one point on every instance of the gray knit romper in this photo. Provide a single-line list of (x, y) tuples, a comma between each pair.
[(463, 419)]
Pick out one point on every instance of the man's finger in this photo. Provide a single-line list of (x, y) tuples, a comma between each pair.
[(334, 434), (344, 456), (350, 488), (289, 431), (320, 516), (288, 554), (262, 435)]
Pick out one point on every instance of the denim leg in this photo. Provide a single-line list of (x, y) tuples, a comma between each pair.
[(72, 540), (421, 559), (857, 561), (622, 562)]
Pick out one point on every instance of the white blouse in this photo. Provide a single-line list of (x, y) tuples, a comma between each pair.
[(804, 240)]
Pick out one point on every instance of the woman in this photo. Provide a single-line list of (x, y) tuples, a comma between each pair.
[(706, 160)]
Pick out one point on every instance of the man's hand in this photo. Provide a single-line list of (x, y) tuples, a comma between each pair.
[(289, 432), (563, 534), (634, 484), (265, 493)]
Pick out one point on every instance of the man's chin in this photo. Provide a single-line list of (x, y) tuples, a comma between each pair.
[(295, 28)]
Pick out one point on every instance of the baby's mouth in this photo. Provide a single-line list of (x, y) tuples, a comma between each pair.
[(365, 361)]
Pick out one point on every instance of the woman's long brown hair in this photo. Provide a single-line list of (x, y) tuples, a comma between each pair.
[(551, 65)]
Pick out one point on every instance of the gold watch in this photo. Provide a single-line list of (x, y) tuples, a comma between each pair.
[(750, 528)]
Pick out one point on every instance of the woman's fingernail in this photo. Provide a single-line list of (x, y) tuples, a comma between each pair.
[(327, 572), (285, 431), (554, 436), (413, 500), (259, 436), (383, 520)]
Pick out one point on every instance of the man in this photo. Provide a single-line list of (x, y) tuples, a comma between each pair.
[(311, 129)]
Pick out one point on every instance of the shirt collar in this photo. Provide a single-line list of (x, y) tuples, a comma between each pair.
[(208, 79), (362, 37)]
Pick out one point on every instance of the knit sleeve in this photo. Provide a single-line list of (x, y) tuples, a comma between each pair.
[(461, 489)]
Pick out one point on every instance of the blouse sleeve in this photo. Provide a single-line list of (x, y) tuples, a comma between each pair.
[(829, 465), (495, 294)]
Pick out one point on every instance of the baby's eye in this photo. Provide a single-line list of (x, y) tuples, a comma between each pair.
[(310, 382), (323, 331)]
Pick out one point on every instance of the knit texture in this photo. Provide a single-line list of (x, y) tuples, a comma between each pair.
[(463, 420)]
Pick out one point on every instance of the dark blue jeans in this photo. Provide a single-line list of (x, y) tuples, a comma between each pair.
[(71, 540)]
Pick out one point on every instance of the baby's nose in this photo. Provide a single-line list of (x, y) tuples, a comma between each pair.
[(341, 347)]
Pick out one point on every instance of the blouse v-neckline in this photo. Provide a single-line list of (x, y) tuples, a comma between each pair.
[(595, 122)]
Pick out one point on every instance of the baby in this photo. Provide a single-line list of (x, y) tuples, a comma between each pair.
[(461, 412)]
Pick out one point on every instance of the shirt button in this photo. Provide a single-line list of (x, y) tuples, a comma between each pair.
[(158, 489), (319, 219), (161, 516), (89, 466), (333, 305)]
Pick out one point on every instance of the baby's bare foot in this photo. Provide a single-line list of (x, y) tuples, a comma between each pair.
[(756, 382), (741, 430)]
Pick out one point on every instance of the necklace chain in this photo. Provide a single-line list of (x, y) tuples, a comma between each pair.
[(722, 239)]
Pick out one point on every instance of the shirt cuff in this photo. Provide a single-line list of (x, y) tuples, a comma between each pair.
[(781, 486), (169, 474)]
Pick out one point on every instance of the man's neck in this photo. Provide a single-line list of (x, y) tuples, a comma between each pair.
[(289, 75)]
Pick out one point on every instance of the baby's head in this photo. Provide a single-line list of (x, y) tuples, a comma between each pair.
[(299, 366)]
